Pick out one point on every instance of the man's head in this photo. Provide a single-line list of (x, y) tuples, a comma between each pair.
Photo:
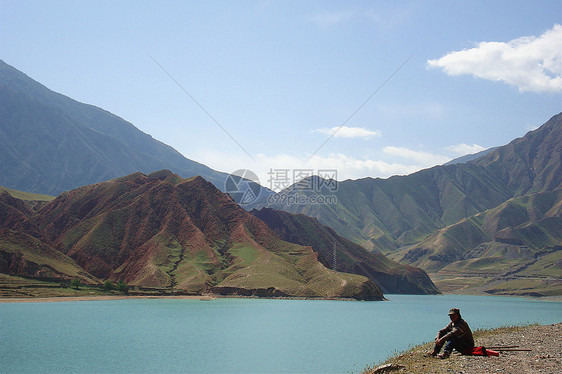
[(454, 314)]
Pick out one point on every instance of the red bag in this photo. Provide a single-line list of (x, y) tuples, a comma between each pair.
[(480, 351)]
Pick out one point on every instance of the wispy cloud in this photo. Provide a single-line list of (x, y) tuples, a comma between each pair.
[(426, 110), (329, 19), (349, 132), (530, 63), (465, 149), (423, 159), (383, 19), (347, 167)]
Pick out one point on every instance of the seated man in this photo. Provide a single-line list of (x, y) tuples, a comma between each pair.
[(456, 335)]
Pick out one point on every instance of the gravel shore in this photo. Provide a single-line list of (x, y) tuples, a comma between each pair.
[(545, 343), (93, 298)]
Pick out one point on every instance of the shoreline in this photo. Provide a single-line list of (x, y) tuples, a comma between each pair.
[(207, 297), (556, 298), (55, 299)]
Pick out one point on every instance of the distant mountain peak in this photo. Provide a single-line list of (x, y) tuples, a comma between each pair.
[(161, 174), (470, 157), (52, 143)]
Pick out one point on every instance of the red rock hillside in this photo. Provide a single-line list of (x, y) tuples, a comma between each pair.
[(164, 231)]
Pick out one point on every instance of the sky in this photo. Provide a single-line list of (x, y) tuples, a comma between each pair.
[(362, 88)]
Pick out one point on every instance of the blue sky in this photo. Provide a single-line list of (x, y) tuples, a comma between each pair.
[(279, 77)]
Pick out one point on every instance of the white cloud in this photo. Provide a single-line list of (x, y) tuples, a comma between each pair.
[(424, 159), (529, 63), (347, 167), (349, 132), (465, 149)]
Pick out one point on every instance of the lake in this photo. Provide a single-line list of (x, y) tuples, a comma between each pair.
[(237, 335)]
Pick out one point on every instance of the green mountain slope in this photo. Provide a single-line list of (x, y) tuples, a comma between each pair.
[(532, 223), (520, 240), (25, 255), (26, 196), (21, 252), (529, 164), (386, 214), (50, 143), (341, 254)]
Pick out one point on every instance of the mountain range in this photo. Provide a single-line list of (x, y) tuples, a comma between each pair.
[(385, 214), (404, 216), (161, 231)]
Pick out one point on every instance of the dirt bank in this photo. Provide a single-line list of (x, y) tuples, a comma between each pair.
[(545, 355)]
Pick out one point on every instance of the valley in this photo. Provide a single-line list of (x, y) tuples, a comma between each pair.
[(132, 209)]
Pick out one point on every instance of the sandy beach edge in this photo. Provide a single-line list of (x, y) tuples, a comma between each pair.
[(94, 298), (206, 297)]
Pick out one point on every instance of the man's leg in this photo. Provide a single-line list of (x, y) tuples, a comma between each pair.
[(449, 346), (437, 347), (454, 343)]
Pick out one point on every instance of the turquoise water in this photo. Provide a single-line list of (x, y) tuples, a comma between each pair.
[(236, 335)]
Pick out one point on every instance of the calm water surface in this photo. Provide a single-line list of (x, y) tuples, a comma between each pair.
[(237, 335)]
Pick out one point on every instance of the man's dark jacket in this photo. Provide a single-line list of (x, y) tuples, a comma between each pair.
[(460, 330)]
